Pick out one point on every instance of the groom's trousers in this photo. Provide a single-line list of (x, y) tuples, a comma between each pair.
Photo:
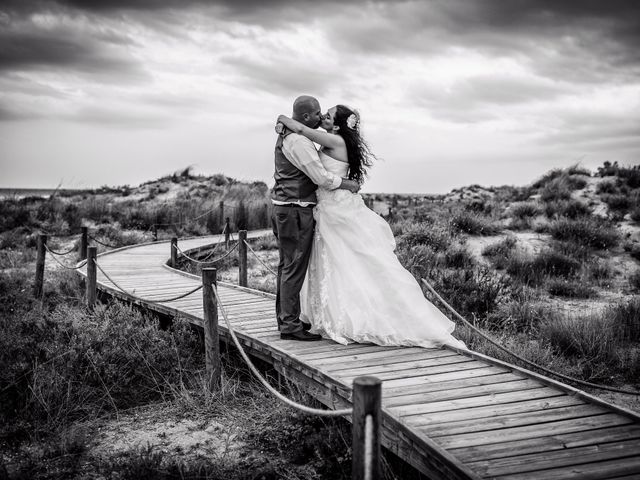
[(293, 227)]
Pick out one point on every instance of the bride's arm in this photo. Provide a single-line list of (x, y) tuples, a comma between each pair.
[(323, 138)]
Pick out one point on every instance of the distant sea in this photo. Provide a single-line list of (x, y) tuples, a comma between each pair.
[(31, 192)]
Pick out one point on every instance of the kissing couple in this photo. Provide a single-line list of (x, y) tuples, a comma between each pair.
[(338, 275)]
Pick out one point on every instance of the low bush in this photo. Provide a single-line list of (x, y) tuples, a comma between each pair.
[(634, 281), (607, 187), (619, 203), (569, 208), (592, 232), (437, 238), (472, 292), (569, 288), (525, 210), (473, 224), (72, 363), (517, 316), (532, 270)]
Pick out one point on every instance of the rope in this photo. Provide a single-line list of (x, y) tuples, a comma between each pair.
[(215, 245), (53, 252), (208, 261), (368, 446), (53, 255), (273, 391), (259, 259), (512, 353), (163, 300), (102, 243)]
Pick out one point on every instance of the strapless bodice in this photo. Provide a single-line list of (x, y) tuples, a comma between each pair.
[(332, 165)]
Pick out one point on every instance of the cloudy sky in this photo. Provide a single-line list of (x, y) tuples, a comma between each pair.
[(451, 92)]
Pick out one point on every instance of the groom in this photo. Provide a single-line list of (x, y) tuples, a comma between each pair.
[(298, 173)]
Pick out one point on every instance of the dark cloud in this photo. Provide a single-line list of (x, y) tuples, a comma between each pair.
[(62, 46)]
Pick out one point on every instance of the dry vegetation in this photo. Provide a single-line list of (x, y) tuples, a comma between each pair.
[(551, 270)]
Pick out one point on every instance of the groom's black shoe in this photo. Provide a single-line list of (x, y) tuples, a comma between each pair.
[(306, 326), (301, 335)]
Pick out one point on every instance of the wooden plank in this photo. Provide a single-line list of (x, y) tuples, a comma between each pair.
[(472, 391), (479, 401), (556, 458), (390, 391), (532, 431), (378, 367), (388, 356), (421, 373), (547, 443), (337, 350), (490, 410), (505, 419), (586, 471), (443, 377)]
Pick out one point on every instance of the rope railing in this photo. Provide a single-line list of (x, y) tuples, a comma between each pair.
[(108, 245), (54, 252), (263, 381), (207, 262), (54, 255), (259, 259), (519, 357), (162, 300)]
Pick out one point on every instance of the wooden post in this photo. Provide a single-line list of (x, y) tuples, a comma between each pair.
[(367, 401), (227, 232), (210, 324), (38, 284), (173, 263), (84, 242), (267, 222), (242, 258), (221, 213), (155, 233), (92, 276)]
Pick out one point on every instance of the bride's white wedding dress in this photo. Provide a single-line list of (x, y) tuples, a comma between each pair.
[(356, 290)]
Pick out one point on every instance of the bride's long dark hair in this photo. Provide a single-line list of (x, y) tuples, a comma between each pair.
[(358, 152)]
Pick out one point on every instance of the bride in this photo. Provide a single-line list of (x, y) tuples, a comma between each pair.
[(355, 289)]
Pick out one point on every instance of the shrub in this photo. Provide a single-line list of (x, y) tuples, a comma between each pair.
[(592, 232), (626, 317), (547, 177), (569, 288), (617, 202), (634, 280), (566, 208), (525, 210), (517, 316), (474, 291), (557, 189), (547, 263), (473, 224), (458, 257), (635, 214), (71, 363), (607, 187), (591, 338), (502, 248), (436, 237)]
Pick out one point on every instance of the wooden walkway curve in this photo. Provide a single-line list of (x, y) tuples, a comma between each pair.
[(451, 414)]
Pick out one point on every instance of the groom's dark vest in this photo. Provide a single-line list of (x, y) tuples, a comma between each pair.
[(291, 183)]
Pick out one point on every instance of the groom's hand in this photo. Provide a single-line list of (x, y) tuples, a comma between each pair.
[(351, 185)]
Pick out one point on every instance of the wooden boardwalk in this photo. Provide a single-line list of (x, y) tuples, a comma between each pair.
[(450, 413)]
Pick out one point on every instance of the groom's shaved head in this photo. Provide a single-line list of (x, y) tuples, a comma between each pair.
[(306, 109), (305, 104)]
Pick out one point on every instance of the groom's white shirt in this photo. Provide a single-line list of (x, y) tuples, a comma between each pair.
[(302, 153)]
